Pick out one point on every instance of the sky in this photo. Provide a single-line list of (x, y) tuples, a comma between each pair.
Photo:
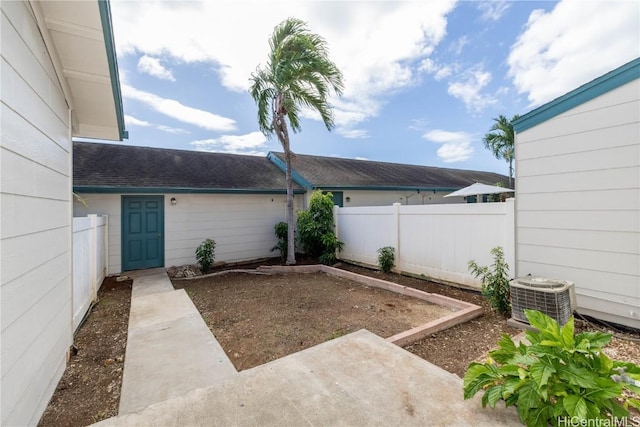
[(423, 79)]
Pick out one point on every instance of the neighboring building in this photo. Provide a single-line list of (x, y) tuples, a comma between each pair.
[(368, 183), (235, 200), (578, 195), (59, 80)]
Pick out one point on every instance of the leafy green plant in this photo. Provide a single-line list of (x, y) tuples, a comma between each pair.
[(495, 281), (315, 228), (559, 377), (386, 258), (281, 229), (205, 254)]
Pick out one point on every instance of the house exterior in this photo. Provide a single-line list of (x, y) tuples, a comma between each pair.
[(368, 183), (578, 195), (59, 80), (233, 199), (163, 203)]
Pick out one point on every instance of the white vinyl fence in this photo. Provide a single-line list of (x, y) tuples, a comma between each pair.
[(89, 262), (437, 241)]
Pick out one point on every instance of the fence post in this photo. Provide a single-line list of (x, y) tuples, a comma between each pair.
[(335, 227), (106, 245), (396, 234), (93, 253), (510, 235)]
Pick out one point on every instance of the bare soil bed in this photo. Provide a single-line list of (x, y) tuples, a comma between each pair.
[(89, 390), (90, 387), (260, 318)]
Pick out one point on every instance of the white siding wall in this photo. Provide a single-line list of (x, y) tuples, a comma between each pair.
[(387, 198), (35, 235), (578, 203), (241, 225)]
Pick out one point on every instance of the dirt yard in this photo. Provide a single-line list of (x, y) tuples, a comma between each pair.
[(90, 387), (260, 318), (89, 390)]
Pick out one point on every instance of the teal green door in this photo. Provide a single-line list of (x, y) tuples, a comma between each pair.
[(142, 232)]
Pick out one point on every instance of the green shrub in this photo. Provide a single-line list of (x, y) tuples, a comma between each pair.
[(559, 379), (386, 258), (281, 229), (205, 254), (495, 281), (315, 229)]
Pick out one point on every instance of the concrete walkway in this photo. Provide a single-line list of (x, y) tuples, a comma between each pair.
[(170, 350), (176, 374)]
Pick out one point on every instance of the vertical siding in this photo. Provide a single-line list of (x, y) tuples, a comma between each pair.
[(35, 209), (578, 203), (241, 225)]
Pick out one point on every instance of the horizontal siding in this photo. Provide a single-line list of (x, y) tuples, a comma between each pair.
[(605, 138), (578, 203), (583, 181), (35, 235), (587, 221), (241, 225), (627, 199), (622, 242)]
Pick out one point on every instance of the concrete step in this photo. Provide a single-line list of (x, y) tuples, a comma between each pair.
[(357, 379)]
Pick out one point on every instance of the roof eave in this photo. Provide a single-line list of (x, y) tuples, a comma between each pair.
[(105, 189), (603, 84)]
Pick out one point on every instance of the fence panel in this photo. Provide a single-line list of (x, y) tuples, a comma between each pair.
[(437, 241), (89, 262)]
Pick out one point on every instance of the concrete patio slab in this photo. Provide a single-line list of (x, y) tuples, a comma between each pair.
[(359, 379)]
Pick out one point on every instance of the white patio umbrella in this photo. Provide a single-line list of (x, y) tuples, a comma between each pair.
[(477, 189)]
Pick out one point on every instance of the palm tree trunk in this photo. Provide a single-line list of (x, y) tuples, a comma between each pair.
[(510, 173), (291, 247)]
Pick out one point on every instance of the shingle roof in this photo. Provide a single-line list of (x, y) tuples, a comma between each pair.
[(113, 166), (331, 172)]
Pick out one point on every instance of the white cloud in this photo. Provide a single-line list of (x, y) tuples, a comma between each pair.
[(153, 67), (459, 44), (493, 10), (469, 89), (377, 45), (572, 44), (451, 153), (133, 121), (439, 72), (456, 146), (178, 111), (361, 158), (250, 143), (353, 133)]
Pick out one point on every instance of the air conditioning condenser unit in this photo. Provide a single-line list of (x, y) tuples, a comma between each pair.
[(555, 298)]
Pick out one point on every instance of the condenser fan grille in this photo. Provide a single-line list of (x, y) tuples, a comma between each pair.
[(549, 296)]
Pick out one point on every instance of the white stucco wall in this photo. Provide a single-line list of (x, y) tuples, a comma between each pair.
[(240, 224), (35, 236), (578, 203)]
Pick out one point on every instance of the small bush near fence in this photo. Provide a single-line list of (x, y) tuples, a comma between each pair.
[(281, 229), (386, 258), (205, 254), (495, 281), (559, 379), (315, 228)]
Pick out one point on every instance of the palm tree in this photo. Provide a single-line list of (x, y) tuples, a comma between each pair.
[(298, 75), (501, 141)]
